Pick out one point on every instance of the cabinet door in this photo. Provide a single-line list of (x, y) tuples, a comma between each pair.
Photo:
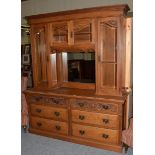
[(72, 32), (39, 56), (59, 32), (82, 31), (107, 57)]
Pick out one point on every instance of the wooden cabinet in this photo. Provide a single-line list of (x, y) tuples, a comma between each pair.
[(81, 68)]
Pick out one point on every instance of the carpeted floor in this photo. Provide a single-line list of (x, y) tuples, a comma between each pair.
[(38, 145)]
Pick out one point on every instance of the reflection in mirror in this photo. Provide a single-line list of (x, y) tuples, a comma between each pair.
[(79, 67), (53, 67)]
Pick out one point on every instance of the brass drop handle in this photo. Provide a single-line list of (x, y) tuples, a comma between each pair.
[(82, 132), (105, 120), (105, 136), (105, 107), (39, 124), (38, 98), (38, 110), (58, 127), (57, 113), (55, 101), (81, 104), (81, 117)]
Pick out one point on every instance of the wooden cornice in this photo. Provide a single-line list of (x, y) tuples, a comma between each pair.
[(113, 10)]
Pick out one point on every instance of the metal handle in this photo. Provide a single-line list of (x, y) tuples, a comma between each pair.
[(57, 113), (58, 127), (38, 98), (105, 107), (81, 104), (81, 117), (82, 132), (39, 124), (105, 121), (55, 101), (105, 136), (38, 110), (125, 91)]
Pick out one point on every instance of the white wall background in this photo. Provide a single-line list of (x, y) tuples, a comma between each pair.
[(32, 7)]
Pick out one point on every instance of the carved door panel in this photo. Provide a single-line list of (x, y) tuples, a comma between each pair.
[(82, 31), (107, 57), (59, 32), (71, 32), (39, 55)]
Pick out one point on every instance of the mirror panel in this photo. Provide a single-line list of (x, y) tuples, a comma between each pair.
[(79, 67)]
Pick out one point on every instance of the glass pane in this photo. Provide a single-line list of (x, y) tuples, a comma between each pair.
[(80, 67), (108, 72), (60, 32), (82, 31), (108, 42)]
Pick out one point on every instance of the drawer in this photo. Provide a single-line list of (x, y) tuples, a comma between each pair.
[(98, 106), (105, 120), (82, 104), (53, 100), (49, 112), (49, 125), (95, 133)]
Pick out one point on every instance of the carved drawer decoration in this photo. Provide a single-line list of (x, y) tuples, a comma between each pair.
[(34, 99), (82, 104), (97, 106), (56, 101), (47, 100), (107, 107)]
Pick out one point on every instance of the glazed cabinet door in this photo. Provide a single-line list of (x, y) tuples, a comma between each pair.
[(39, 55), (72, 32), (82, 31), (59, 33), (107, 57)]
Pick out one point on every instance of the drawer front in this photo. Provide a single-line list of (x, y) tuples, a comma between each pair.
[(95, 133), (49, 112), (98, 106), (105, 120), (58, 101), (49, 125)]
